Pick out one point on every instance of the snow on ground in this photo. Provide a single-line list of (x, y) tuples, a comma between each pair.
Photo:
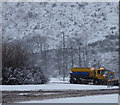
[(59, 80), (54, 84), (87, 99)]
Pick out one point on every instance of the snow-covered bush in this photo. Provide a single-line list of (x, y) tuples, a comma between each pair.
[(23, 76), (17, 67)]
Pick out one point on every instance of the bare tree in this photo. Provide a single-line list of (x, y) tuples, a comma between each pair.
[(70, 44), (15, 54), (58, 59), (41, 46)]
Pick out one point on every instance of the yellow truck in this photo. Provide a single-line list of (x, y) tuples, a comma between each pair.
[(97, 76)]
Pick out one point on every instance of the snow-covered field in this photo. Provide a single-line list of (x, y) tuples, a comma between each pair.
[(54, 84), (58, 84), (87, 99)]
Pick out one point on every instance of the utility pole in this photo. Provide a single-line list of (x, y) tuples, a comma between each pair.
[(63, 38), (87, 50), (86, 45)]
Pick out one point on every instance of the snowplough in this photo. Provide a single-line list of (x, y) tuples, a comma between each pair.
[(99, 76)]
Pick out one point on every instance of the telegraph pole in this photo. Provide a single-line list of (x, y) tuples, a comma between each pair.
[(63, 38), (87, 50), (86, 45)]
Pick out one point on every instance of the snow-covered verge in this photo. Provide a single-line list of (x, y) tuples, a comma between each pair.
[(87, 99), (54, 84), (59, 79)]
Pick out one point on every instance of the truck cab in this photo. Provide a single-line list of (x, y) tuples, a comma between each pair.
[(103, 76), (101, 73)]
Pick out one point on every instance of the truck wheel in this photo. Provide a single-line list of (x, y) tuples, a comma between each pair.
[(78, 81), (96, 82), (72, 81)]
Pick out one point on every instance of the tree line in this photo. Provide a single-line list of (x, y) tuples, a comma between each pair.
[(32, 55)]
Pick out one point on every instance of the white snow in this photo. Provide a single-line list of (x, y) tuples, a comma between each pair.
[(23, 94), (37, 94), (58, 84), (87, 99), (54, 84)]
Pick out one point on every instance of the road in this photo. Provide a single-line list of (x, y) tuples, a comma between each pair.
[(19, 96)]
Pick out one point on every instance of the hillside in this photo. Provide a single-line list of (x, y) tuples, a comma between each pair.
[(92, 20), (85, 33)]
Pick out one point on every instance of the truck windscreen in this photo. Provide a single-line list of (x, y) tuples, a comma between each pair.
[(99, 72), (105, 72)]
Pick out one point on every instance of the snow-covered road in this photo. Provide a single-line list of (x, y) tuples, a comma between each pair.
[(54, 84), (87, 99)]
